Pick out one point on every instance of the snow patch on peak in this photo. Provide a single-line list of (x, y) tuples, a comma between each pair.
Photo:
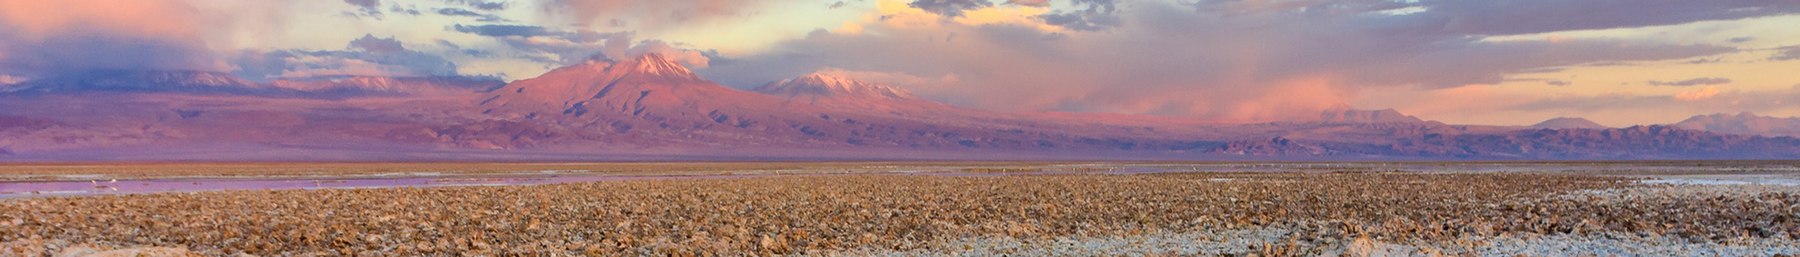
[(659, 65), (827, 85)]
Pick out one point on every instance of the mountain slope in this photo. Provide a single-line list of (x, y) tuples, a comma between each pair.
[(346, 86), (651, 102), (1744, 124), (1568, 122), (830, 91), (1345, 114)]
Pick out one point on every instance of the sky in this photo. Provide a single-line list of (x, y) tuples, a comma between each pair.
[(1515, 62)]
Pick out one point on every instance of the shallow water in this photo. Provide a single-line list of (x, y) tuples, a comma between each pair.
[(25, 189), (1724, 181), (110, 187), (102, 186)]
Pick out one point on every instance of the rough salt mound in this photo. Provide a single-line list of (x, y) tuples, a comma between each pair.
[(79, 251), (1569, 123), (1744, 124)]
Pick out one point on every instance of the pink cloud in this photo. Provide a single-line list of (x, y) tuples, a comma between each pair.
[(649, 14), (51, 36), (1697, 94)]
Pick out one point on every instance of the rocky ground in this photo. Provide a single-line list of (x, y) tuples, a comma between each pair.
[(1262, 214)]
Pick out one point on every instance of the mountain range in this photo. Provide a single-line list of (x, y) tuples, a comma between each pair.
[(651, 108)]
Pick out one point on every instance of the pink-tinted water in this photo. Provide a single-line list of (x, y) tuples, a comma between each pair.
[(106, 187)]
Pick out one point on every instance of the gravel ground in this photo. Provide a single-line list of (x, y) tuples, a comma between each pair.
[(1265, 214)]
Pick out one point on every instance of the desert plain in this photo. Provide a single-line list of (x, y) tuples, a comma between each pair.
[(1668, 208)]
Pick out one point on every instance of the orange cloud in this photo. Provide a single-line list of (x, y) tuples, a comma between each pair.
[(1292, 99), (1697, 94)]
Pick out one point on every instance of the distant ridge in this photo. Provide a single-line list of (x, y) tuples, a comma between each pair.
[(1568, 123), (1744, 124), (1345, 114), (205, 82)]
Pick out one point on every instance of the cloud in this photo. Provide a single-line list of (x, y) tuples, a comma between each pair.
[(1099, 15), (365, 3), (1240, 61), (365, 8), (365, 56), (504, 30), (1697, 94), (479, 4), (1787, 53), (649, 15), (551, 46), (1707, 81), (370, 43), (43, 37), (458, 12), (689, 57), (562, 47), (950, 8), (1482, 17), (1560, 83), (838, 4), (1032, 3), (405, 10)]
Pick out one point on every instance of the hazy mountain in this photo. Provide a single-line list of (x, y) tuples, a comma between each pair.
[(388, 86), (141, 81), (651, 101), (1345, 114), (830, 91), (202, 82), (1744, 124), (650, 107), (1568, 122)]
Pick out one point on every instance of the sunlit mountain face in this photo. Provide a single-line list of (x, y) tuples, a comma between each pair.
[(894, 79)]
